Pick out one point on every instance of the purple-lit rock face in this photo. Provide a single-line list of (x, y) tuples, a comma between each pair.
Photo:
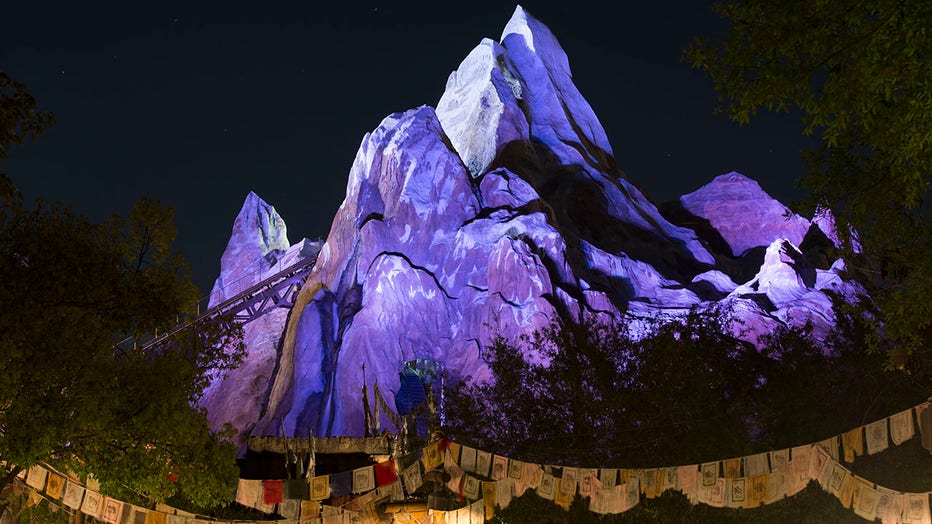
[(743, 214), (258, 249), (492, 215)]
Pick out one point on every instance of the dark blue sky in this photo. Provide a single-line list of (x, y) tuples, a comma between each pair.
[(197, 106)]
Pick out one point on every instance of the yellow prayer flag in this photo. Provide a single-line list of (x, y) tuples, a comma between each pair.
[(55, 485)]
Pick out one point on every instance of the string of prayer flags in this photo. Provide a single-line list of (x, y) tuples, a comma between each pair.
[(727, 483)]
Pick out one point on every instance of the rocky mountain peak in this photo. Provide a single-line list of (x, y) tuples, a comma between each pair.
[(490, 216)]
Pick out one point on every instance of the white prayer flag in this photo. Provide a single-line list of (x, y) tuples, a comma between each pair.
[(36, 477), (901, 426), (468, 459), (74, 495), (877, 440), (92, 503)]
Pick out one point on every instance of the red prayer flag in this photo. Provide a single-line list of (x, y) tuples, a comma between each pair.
[(385, 473), (272, 491)]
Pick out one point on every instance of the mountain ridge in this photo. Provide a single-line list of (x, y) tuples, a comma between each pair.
[(492, 215)]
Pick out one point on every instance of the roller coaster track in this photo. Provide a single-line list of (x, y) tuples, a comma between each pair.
[(276, 291)]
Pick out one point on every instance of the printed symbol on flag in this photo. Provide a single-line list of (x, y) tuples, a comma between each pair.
[(709, 473), (737, 490), (718, 493), (759, 485), (482, 463), (546, 484), (471, 487), (838, 476), (915, 508)]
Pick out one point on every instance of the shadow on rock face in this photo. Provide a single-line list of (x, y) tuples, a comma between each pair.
[(580, 210)]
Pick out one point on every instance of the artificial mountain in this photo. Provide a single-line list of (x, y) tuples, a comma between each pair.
[(492, 214)]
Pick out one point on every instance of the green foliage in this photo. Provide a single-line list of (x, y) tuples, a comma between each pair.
[(811, 506), (594, 395), (72, 289), (860, 74), (20, 120)]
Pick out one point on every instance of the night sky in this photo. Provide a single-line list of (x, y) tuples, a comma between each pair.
[(197, 106)]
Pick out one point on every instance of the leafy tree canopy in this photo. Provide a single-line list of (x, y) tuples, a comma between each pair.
[(860, 74), (70, 395), (20, 120), (596, 396)]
